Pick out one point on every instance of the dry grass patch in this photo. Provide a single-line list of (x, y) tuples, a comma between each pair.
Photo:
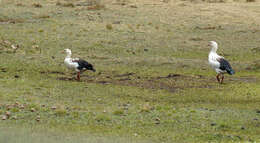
[(42, 16), (96, 7), (166, 1), (254, 66), (65, 4), (130, 27), (37, 5), (92, 4), (146, 107), (122, 2), (207, 1), (250, 1), (109, 26), (8, 46), (20, 4), (119, 112), (11, 20)]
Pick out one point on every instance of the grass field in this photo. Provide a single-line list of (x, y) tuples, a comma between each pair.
[(153, 82)]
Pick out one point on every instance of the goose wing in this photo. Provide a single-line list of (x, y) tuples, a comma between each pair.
[(84, 65), (225, 66)]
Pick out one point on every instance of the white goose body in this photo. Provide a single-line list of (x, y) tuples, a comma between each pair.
[(77, 64), (68, 61), (213, 61), (219, 63)]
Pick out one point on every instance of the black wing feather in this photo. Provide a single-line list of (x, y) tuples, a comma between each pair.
[(225, 66), (84, 65)]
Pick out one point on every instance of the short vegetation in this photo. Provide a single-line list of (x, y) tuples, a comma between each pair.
[(152, 84)]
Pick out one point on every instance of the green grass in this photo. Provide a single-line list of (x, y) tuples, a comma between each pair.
[(152, 84)]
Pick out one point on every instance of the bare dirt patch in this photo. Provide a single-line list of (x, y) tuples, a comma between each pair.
[(3, 69), (11, 20), (171, 82), (66, 78), (52, 72), (244, 79)]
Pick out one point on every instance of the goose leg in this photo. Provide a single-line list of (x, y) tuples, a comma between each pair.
[(222, 78), (218, 77), (78, 76)]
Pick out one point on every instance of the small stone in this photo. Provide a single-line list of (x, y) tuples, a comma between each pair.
[(104, 111), (4, 117), (7, 42), (14, 47), (157, 120), (17, 103), (8, 114), (35, 46), (9, 107), (38, 118), (133, 6), (135, 134), (33, 110), (53, 107), (21, 107)]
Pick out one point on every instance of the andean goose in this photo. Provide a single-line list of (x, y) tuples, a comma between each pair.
[(219, 63), (77, 64)]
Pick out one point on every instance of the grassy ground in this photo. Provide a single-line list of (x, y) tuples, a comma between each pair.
[(152, 84)]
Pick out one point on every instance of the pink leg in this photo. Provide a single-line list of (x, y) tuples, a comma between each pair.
[(78, 76), (218, 77), (222, 79)]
